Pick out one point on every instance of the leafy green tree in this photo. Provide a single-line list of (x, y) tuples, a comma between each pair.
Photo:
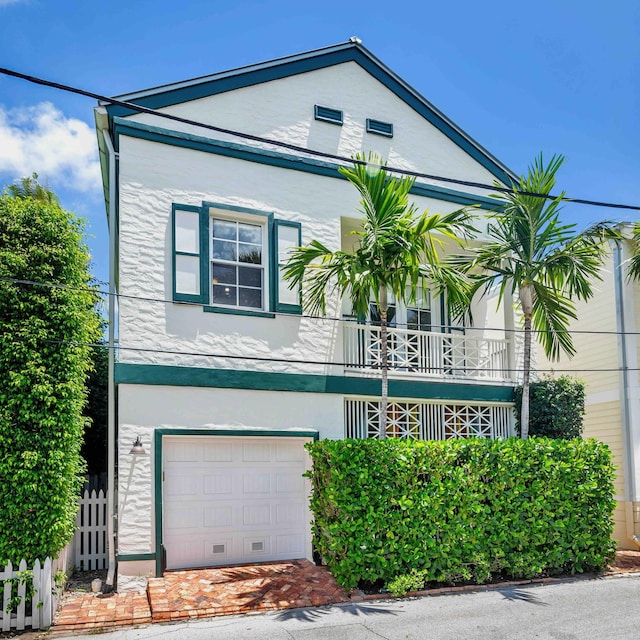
[(557, 407), (396, 251), (44, 363), (545, 263)]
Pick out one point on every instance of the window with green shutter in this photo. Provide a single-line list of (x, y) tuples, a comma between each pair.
[(288, 236), (189, 280), (230, 259)]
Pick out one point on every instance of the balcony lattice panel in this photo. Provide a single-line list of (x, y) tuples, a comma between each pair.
[(426, 353), (428, 420)]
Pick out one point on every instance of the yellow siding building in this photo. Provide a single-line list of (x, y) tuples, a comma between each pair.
[(607, 360)]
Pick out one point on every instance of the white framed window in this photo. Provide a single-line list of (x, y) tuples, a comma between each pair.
[(230, 259), (239, 251), (416, 315)]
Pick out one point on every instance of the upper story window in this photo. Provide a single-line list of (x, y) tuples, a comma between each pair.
[(230, 259), (415, 315), (238, 255)]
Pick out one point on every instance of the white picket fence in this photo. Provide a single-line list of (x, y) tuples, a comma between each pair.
[(87, 551), (37, 611), (90, 541)]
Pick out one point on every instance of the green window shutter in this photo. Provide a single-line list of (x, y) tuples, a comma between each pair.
[(286, 236), (189, 249)]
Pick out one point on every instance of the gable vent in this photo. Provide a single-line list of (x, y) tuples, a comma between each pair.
[(326, 114), (380, 128)]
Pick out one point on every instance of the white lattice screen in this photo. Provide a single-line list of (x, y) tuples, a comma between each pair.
[(428, 420)]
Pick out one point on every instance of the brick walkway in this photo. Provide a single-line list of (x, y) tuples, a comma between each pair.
[(625, 562), (181, 595), (259, 587), (206, 592), (89, 611)]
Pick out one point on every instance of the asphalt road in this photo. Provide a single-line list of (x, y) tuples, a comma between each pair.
[(601, 609)]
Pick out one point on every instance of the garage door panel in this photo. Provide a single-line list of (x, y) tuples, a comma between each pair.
[(289, 483), (217, 484), (256, 482), (183, 553), (217, 516), (289, 452), (289, 544), (185, 516), (183, 485), (256, 548), (243, 500), (256, 452), (290, 513), (184, 452), (218, 451), (256, 514)]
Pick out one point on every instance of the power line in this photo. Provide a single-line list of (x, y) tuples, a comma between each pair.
[(291, 147), (367, 366), (352, 320)]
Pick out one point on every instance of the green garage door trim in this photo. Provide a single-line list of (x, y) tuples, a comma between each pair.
[(157, 464)]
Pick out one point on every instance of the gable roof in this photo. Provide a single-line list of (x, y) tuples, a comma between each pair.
[(352, 51)]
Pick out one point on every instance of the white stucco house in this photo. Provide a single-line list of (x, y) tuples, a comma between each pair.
[(218, 371)]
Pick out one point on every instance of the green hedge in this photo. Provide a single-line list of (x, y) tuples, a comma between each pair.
[(44, 362), (461, 510), (556, 407)]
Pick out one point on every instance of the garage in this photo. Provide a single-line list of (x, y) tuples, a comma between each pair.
[(234, 499)]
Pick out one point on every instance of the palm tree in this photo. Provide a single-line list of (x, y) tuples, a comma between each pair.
[(531, 253), (633, 267), (396, 251), (31, 188)]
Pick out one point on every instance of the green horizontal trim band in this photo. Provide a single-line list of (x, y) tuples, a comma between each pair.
[(165, 375), (277, 159), (312, 61), (132, 557), (239, 312)]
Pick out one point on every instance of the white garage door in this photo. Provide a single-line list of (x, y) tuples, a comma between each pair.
[(230, 500)]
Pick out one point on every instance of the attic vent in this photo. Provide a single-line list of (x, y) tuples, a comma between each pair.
[(326, 114), (380, 128)]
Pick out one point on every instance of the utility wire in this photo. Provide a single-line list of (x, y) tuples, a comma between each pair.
[(291, 147), (444, 367), (53, 285)]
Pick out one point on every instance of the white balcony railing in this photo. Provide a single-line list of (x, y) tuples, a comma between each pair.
[(426, 354)]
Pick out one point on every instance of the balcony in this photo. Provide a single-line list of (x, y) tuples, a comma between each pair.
[(426, 354)]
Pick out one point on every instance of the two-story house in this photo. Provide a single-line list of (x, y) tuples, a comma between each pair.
[(219, 372)]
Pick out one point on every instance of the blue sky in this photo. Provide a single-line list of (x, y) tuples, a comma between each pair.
[(522, 78)]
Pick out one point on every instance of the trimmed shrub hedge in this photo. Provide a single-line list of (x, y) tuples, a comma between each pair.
[(461, 510), (556, 407), (44, 360)]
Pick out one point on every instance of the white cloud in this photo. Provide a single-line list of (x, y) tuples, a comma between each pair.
[(60, 150)]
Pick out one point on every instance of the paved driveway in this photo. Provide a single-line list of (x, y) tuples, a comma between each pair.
[(606, 608)]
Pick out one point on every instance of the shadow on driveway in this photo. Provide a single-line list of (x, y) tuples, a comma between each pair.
[(354, 608)]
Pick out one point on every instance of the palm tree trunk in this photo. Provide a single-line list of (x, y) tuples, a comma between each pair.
[(526, 299), (384, 363)]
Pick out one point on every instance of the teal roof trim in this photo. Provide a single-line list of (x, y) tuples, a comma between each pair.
[(274, 158), (178, 93)]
